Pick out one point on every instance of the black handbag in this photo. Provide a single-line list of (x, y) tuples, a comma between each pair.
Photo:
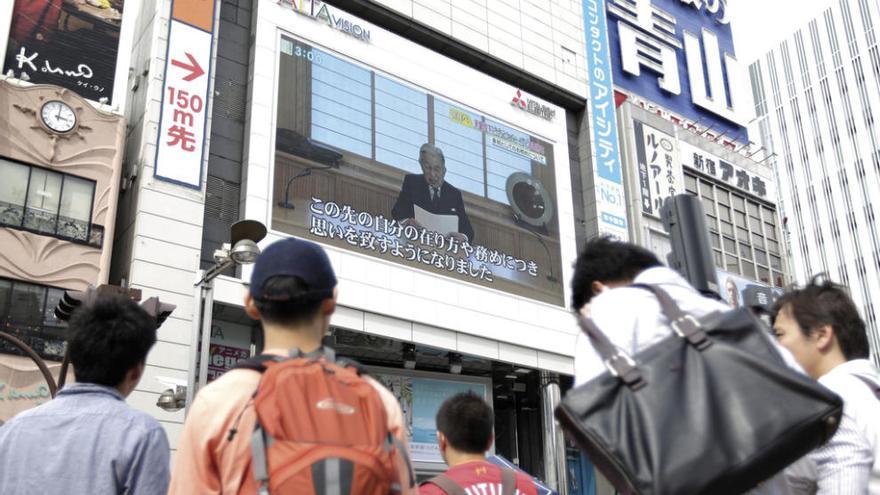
[(711, 409)]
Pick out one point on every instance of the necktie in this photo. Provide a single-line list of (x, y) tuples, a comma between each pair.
[(435, 194)]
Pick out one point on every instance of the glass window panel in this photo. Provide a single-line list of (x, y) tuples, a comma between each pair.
[(724, 213), (690, 184), (772, 246), (740, 219), (758, 240), (401, 124), (754, 210), (729, 246), (342, 105), (457, 135), (76, 208), (52, 298), (5, 294), (13, 191), (732, 263), (727, 228), (770, 230), (778, 280), (745, 250), (722, 196), (719, 259), (742, 234), (739, 203), (761, 256), (776, 263), (43, 200), (708, 205), (764, 275), (755, 224), (748, 269), (715, 239), (706, 190), (26, 306)]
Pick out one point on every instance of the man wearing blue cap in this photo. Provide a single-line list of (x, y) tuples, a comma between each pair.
[(293, 294)]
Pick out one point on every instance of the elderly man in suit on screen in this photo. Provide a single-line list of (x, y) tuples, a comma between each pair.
[(431, 193)]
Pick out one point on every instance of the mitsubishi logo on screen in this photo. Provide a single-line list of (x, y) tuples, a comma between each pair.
[(679, 54), (532, 106)]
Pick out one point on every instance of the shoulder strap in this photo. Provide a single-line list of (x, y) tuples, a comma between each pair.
[(617, 362), (447, 485), (685, 325), (508, 481), (256, 363)]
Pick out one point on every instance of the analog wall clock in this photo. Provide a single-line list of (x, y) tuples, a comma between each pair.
[(58, 116)]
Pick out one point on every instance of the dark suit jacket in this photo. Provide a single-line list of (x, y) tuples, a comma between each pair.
[(414, 191)]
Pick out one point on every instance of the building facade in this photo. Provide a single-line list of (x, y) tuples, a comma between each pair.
[(814, 97), (61, 150)]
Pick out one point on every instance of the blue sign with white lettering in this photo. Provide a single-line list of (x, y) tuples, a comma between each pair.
[(679, 55), (607, 169)]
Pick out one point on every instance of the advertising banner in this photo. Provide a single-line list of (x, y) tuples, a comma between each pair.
[(738, 291), (679, 54), (660, 175), (69, 43), (420, 399), (605, 153), (182, 125), (372, 164), (737, 177)]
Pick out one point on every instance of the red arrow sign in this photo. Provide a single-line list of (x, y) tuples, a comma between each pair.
[(195, 70)]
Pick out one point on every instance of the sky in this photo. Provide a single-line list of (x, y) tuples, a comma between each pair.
[(759, 25)]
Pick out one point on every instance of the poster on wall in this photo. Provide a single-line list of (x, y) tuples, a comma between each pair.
[(660, 175), (420, 399), (69, 43), (369, 163), (739, 291)]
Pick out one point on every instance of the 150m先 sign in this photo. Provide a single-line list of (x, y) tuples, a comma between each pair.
[(182, 125)]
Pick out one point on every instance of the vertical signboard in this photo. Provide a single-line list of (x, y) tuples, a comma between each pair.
[(73, 44), (660, 176), (607, 169), (182, 124)]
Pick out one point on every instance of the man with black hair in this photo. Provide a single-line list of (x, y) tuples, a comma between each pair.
[(820, 325), (464, 434), (87, 439), (293, 295), (631, 317)]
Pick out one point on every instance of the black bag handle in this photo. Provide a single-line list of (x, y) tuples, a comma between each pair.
[(683, 324), (621, 364)]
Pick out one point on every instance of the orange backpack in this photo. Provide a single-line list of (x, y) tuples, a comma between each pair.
[(321, 429)]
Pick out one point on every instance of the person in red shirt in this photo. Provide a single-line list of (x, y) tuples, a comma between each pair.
[(464, 432)]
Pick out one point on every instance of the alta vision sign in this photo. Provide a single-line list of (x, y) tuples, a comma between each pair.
[(321, 12)]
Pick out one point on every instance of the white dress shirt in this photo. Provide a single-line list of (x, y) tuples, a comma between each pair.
[(633, 320), (849, 464)]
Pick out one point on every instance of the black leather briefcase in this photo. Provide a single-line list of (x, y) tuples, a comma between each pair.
[(712, 409)]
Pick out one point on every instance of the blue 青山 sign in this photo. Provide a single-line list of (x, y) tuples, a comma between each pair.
[(683, 58)]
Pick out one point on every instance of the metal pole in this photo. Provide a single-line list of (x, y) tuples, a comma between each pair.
[(555, 469), (207, 320), (192, 376)]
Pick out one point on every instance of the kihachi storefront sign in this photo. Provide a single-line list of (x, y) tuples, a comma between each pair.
[(726, 172), (182, 125)]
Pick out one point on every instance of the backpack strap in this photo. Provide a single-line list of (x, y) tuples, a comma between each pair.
[(256, 363), (401, 449), (259, 452), (447, 485), (508, 481)]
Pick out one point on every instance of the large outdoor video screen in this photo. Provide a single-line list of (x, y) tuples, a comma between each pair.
[(367, 162)]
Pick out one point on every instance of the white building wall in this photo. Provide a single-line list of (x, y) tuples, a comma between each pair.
[(544, 38), (816, 99), (159, 224)]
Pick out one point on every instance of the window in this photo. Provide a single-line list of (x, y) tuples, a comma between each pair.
[(27, 311), (48, 202)]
